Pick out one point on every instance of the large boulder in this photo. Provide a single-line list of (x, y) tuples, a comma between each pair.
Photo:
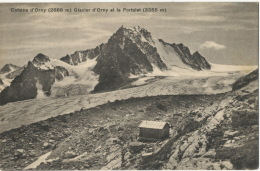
[(136, 147), (69, 154)]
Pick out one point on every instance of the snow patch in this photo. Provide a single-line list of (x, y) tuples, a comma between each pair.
[(143, 39), (66, 81), (80, 57), (156, 72), (121, 46), (12, 69), (40, 93), (45, 66), (6, 81), (41, 159), (134, 76), (141, 81)]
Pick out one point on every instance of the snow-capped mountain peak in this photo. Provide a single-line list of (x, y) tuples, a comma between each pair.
[(8, 68), (40, 59)]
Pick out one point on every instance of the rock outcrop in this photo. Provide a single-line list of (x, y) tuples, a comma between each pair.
[(82, 56), (243, 81), (1, 82)]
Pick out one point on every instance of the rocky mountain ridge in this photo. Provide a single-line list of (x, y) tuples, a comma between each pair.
[(35, 80), (129, 53), (195, 60), (82, 56)]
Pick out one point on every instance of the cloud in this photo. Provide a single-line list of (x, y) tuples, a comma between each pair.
[(212, 45)]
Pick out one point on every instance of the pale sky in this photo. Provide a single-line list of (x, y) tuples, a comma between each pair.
[(224, 33)]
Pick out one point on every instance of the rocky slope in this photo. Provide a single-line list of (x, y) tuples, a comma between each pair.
[(229, 135), (93, 138), (243, 81)]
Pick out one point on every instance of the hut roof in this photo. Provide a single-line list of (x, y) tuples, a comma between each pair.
[(152, 124)]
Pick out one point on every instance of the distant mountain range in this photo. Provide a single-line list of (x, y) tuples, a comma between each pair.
[(128, 54)]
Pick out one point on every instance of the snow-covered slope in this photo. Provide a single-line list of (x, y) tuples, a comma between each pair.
[(217, 70), (79, 74), (177, 72), (169, 55)]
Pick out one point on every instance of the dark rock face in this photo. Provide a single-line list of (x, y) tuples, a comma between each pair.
[(195, 61), (244, 118), (8, 67), (32, 78), (243, 81), (125, 54), (60, 72), (82, 56), (24, 86), (1, 82), (40, 59), (201, 61)]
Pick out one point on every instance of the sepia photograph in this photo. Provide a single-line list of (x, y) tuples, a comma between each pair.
[(129, 86)]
